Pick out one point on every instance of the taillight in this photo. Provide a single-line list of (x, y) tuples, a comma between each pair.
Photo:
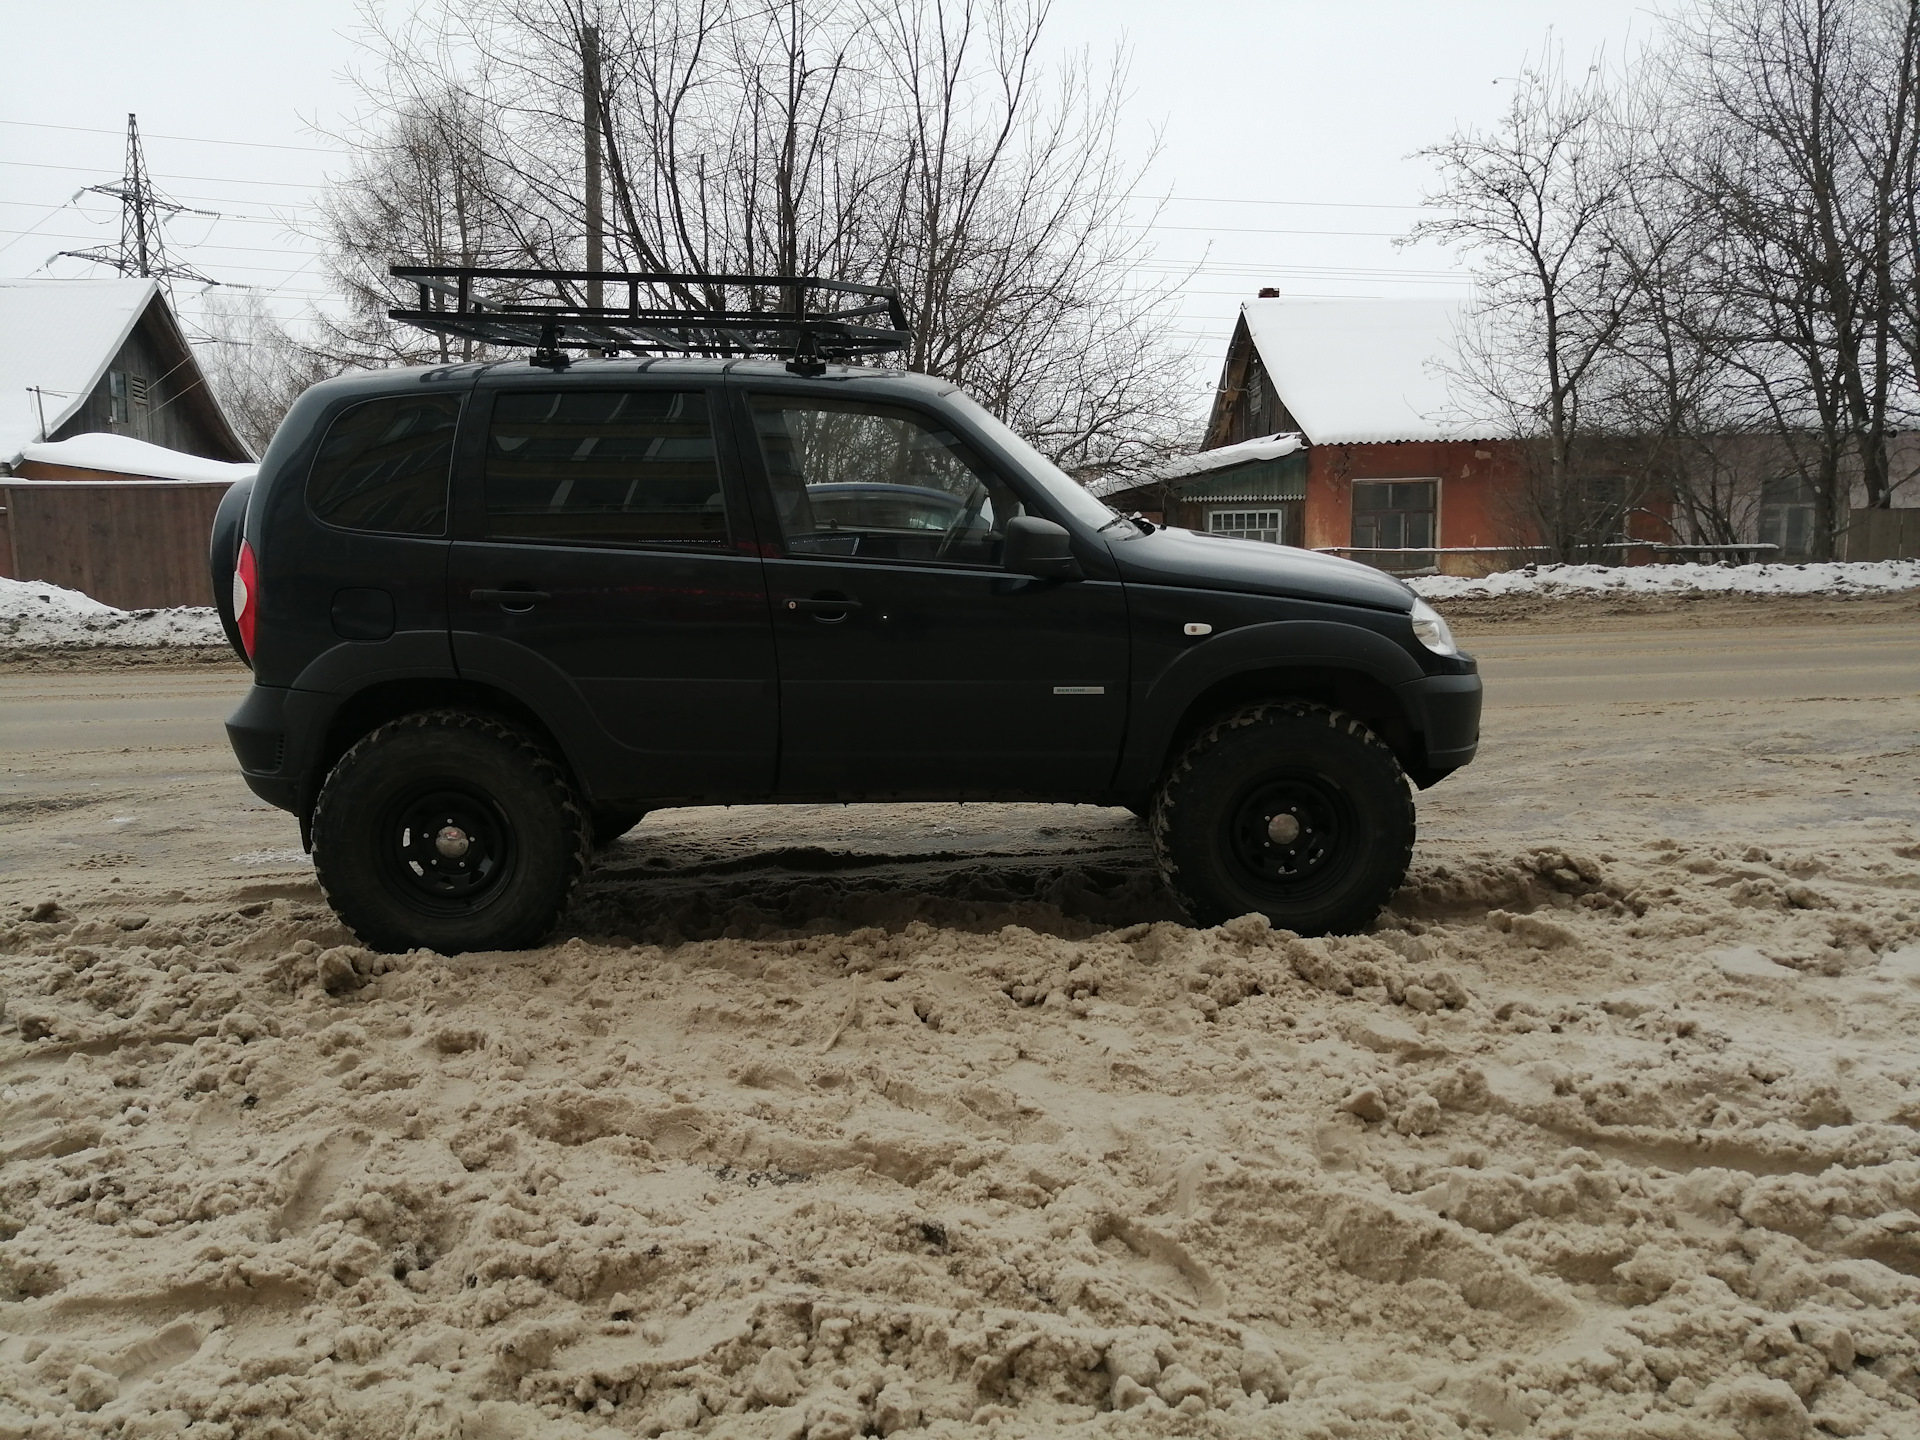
[(246, 596)]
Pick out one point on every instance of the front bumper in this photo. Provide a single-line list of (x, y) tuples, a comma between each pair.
[(1444, 713)]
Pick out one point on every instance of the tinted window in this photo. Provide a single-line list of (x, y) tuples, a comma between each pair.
[(383, 466), (876, 483), (604, 467)]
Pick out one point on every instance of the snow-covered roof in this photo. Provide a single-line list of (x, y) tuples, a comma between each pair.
[(1181, 467), (125, 455), (1263, 447), (1356, 372), (59, 335)]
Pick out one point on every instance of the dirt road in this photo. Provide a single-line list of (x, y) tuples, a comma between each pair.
[(830, 1121)]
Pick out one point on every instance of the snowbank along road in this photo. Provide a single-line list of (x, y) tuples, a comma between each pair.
[(902, 1120)]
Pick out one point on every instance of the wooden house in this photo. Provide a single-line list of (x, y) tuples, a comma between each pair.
[(1332, 419), (114, 453)]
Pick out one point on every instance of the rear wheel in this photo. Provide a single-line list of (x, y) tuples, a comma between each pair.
[(449, 830), (1290, 809)]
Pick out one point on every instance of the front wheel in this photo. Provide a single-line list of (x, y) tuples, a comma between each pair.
[(1290, 809), (449, 830)]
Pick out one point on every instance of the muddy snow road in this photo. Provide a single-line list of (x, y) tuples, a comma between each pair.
[(824, 1121)]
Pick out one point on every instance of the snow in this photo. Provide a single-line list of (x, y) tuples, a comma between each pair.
[(1265, 447), (34, 613), (1356, 372), (59, 335), (125, 455), (1822, 578)]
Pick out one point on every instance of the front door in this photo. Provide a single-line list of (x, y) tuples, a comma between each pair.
[(910, 662), (603, 571)]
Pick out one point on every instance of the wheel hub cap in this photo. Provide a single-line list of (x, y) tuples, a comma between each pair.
[(1289, 830), (450, 845), (1284, 828)]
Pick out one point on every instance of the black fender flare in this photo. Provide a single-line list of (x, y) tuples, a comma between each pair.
[(1160, 705), (223, 553)]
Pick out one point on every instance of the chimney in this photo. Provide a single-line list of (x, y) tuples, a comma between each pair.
[(1267, 292)]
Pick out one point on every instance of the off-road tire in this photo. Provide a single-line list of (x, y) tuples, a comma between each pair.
[(610, 825), (526, 834), (1342, 792)]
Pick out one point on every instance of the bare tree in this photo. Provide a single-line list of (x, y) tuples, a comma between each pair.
[(1800, 143), (257, 365), (1537, 204), (912, 142)]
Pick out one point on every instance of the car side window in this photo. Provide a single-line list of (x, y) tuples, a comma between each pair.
[(878, 482), (383, 466), (604, 467)]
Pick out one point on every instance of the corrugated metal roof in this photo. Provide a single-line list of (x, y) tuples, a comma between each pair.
[(59, 335), (1357, 372)]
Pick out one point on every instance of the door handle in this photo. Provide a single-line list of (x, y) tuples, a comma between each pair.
[(820, 605), (511, 599)]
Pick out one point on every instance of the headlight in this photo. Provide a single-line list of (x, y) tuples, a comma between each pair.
[(1431, 630)]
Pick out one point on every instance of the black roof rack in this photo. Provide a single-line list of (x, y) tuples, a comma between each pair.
[(781, 315)]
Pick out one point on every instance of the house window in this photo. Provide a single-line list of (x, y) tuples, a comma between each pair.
[(1267, 525), (1786, 518), (1395, 523), (127, 400)]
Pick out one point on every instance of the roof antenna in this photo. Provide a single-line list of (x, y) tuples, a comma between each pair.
[(549, 355)]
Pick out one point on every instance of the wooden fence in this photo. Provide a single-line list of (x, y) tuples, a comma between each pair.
[(134, 544), (1884, 535)]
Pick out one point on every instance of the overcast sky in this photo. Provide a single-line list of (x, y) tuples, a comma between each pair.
[(1285, 128)]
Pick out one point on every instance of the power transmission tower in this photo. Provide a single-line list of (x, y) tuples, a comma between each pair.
[(142, 249)]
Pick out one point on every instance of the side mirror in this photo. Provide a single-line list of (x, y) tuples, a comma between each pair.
[(1041, 549)]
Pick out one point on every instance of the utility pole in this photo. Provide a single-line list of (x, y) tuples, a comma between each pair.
[(590, 120), (142, 250)]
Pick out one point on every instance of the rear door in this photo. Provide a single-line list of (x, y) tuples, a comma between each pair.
[(911, 663), (603, 570)]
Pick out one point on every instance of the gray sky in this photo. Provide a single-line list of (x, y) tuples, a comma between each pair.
[(1285, 128)]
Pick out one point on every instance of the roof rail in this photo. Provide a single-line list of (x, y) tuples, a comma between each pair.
[(780, 315)]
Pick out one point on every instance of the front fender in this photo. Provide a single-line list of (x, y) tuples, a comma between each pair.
[(1160, 703)]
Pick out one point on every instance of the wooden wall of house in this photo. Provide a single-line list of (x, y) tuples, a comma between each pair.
[(133, 546), (1247, 405), (168, 419)]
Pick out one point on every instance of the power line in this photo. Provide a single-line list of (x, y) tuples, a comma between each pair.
[(210, 179), (189, 139), (199, 245)]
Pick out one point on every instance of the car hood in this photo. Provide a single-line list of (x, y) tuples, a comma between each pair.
[(1171, 556)]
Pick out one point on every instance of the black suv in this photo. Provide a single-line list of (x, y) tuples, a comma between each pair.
[(496, 613)]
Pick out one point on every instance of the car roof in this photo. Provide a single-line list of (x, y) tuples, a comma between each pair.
[(701, 369)]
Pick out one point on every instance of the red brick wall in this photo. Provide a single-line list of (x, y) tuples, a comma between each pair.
[(1479, 484)]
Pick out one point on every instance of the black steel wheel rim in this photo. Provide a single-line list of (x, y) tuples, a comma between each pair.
[(1292, 834), (448, 848)]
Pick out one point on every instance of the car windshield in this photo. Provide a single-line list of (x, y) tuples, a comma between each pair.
[(1061, 487)]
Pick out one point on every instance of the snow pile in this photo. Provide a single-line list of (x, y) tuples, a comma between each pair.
[(1834, 578), (1571, 1146), (124, 455), (34, 613)]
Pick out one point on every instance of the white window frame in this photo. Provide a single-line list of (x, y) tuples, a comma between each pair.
[(1260, 532)]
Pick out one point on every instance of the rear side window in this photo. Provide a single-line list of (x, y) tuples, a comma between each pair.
[(383, 466), (604, 467)]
